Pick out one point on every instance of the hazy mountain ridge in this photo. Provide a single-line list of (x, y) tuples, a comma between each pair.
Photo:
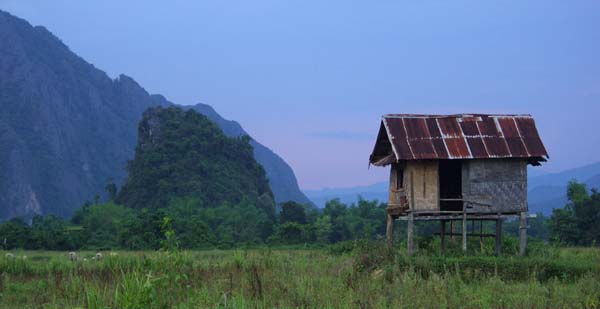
[(66, 128), (545, 190)]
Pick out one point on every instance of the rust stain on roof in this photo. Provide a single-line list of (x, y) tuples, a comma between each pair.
[(477, 136)]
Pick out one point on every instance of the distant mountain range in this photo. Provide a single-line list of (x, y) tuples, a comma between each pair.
[(546, 191), (67, 129)]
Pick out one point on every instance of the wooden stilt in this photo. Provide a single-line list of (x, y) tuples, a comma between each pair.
[(452, 230), (481, 235), (498, 236), (409, 233), (443, 235), (464, 232), (389, 232), (523, 233)]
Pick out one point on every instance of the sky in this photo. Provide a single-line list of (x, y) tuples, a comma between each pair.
[(311, 79)]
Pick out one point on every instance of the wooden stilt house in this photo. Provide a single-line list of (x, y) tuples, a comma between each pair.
[(462, 168)]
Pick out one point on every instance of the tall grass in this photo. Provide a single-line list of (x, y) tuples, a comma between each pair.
[(362, 275)]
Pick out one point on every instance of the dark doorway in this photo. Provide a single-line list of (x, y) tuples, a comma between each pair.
[(450, 185)]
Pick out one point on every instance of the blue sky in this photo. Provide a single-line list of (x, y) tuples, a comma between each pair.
[(310, 79)]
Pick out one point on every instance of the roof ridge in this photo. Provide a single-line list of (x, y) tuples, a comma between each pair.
[(465, 115)]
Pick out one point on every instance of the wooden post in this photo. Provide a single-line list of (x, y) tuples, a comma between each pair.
[(498, 236), (523, 233), (409, 233), (389, 231), (443, 235), (464, 232), (452, 230), (481, 235)]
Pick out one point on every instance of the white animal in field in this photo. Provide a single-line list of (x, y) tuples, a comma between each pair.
[(9, 256), (99, 256), (72, 256)]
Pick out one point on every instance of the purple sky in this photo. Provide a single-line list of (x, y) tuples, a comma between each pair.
[(310, 79)]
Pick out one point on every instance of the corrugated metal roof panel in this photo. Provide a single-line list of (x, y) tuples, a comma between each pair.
[(457, 148), (531, 137), (463, 136), (397, 136), (477, 147)]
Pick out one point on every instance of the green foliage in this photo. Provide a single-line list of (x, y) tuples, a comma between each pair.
[(48, 231), (182, 154), (323, 229), (15, 234), (291, 233), (103, 223), (292, 212), (170, 242), (577, 223), (253, 223)]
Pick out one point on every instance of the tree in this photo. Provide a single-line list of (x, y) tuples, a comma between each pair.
[(576, 223), (104, 223), (563, 226), (290, 233), (190, 228), (169, 243), (14, 234), (49, 232), (587, 215), (292, 212), (142, 231), (323, 228), (334, 208)]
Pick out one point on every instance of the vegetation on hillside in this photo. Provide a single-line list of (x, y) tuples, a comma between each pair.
[(182, 154)]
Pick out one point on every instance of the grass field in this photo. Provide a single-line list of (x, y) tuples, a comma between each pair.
[(367, 277)]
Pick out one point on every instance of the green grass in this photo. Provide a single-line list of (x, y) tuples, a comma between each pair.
[(369, 276)]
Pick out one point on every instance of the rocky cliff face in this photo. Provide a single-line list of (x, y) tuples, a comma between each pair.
[(66, 128)]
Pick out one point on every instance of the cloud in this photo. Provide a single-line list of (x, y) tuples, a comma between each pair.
[(342, 135)]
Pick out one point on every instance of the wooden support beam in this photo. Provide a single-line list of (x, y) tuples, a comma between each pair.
[(498, 237), (523, 234), (464, 232), (481, 235), (409, 234), (443, 235), (389, 231)]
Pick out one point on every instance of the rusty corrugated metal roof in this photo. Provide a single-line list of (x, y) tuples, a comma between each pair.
[(415, 137)]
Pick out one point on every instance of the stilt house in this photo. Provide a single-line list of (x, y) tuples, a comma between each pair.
[(458, 168)]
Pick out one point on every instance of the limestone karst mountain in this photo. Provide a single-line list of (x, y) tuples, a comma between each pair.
[(67, 129)]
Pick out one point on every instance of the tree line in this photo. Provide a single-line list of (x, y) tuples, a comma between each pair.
[(189, 224)]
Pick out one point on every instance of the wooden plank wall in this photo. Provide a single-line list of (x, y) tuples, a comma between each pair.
[(423, 177)]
